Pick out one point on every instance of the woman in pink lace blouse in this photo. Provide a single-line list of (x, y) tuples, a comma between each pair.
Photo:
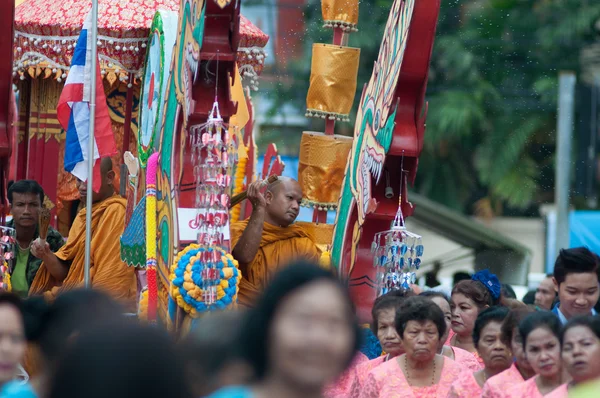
[(468, 299), (383, 314), (520, 370), (460, 356), (421, 372), (540, 332), (487, 336), (580, 352)]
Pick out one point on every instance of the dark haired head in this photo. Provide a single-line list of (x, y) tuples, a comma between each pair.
[(590, 322), (136, 361), (390, 300), (578, 260), (258, 329), (420, 309), (508, 291), (529, 297), (26, 186), (512, 321), (475, 291), (460, 276), (434, 293), (493, 314), (211, 348), (51, 325), (539, 319), (11, 299)]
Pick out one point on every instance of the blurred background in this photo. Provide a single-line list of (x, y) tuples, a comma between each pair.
[(486, 180)]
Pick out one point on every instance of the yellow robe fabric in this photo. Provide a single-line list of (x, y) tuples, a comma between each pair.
[(107, 271), (278, 247)]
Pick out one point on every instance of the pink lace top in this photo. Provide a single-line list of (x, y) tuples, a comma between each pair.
[(474, 354), (360, 374), (466, 359), (388, 381), (465, 386), (341, 387), (527, 389), (560, 392), (497, 386)]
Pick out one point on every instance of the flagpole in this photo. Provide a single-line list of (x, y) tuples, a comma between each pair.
[(90, 184)]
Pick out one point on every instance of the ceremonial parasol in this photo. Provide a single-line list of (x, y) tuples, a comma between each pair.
[(46, 34)]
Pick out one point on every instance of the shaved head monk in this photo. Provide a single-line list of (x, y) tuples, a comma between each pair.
[(64, 269), (269, 239)]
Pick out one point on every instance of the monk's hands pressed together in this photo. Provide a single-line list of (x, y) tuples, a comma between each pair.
[(255, 195), (40, 249)]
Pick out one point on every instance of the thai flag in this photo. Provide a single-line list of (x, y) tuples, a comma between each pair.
[(73, 111)]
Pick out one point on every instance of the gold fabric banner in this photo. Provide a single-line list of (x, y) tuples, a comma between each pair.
[(322, 233), (321, 166), (340, 14), (332, 81)]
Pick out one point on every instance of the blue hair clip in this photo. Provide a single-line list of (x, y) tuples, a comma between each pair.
[(490, 281)]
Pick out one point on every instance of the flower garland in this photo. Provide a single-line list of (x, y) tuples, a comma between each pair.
[(5, 278), (151, 237), (143, 306), (238, 186), (189, 279), (325, 259)]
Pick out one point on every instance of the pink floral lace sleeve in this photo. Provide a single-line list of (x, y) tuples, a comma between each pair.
[(466, 359), (527, 389), (465, 386), (560, 392), (360, 374), (388, 381), (497, 386), (341, 387)]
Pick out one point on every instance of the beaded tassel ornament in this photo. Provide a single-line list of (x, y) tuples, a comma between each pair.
[(8, 243), (397, 254), (214, 156)]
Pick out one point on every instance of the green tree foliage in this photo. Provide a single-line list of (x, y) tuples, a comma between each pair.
[(492, 92)]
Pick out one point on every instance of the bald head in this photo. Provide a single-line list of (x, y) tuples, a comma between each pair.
[(106, 165), (107, 175), (282, 181), (283, 197)]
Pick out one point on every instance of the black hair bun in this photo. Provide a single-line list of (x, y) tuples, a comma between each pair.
[(35, 315)]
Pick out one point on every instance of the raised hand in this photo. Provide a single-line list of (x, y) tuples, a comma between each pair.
[(40, 248), (255, 196)]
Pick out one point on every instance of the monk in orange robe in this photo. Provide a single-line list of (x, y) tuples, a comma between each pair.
[(269, 239), (64, 270)]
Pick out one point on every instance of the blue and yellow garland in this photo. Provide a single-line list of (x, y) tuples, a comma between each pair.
[(186, 280)]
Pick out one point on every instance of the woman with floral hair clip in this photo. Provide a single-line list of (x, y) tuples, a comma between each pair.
[(468, 299)]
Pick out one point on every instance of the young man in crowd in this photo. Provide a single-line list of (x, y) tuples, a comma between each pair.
[(576, 281), (26, 198)]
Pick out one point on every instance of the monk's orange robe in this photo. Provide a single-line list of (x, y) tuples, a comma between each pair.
[(107, 271), (278, 247)]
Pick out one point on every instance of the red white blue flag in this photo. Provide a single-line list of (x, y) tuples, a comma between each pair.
[(73, 111)]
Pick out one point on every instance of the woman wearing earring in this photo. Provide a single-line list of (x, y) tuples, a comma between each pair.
[(540, 333), (520, 369), (420, 372), (496, 355), (580, 342)]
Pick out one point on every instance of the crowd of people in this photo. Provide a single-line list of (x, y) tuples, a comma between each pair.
[(302, 339), (295, 334)]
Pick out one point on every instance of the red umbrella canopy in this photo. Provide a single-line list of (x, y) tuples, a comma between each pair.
[(46, 33)]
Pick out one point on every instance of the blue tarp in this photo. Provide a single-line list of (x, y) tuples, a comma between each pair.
[(584, 230), (291, 170)]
